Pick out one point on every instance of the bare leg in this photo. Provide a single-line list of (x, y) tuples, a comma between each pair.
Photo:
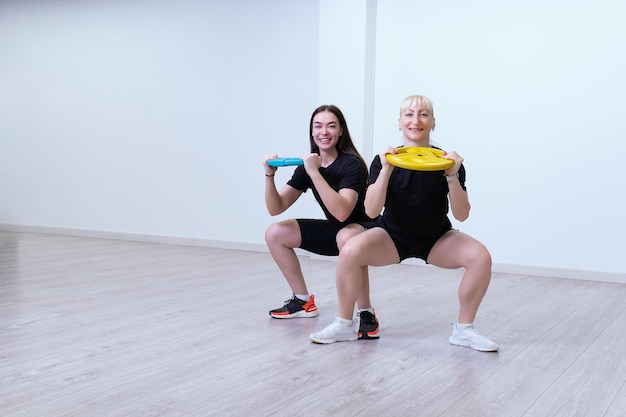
[(371, 247), (281, 239), (363, 300), (458, 250)]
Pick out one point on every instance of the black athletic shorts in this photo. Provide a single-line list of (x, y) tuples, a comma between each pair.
[(416, 247), (320, 236)]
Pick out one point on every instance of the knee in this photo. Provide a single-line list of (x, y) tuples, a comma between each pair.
[(347, 233), (342, 237), (348, 255), (272, 234), (485, 258), (481, 258)]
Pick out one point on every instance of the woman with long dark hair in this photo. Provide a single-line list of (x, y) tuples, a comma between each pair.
[(337, 175)]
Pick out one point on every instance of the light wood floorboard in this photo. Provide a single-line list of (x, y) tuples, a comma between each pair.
[(99, 327)]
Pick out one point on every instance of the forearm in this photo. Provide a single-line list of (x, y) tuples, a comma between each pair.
[(459, 201), (336, 203), (273, 201), (377, 194)]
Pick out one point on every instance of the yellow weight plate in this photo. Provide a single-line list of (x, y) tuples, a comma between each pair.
[(419, 159)]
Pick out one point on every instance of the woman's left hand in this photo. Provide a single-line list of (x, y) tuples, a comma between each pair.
[(458, 160), (312, 163)]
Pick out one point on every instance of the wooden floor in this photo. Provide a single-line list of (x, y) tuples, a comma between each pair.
[(96, 327)]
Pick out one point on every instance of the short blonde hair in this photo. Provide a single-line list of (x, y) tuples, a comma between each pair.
[(412, 101)]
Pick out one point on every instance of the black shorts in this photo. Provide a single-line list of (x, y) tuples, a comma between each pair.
[(320, 236), (415, 247)]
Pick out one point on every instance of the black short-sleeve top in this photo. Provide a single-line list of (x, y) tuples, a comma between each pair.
[(416, 205), (346, 171)]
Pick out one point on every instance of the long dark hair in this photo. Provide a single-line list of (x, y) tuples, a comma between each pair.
[(344, 144)]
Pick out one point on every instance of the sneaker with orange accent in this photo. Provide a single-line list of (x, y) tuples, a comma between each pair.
[(368, 325), (295, 307)]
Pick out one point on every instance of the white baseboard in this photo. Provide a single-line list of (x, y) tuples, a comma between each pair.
[(136, 237), (560, 273), (260, 247), (538, 271)]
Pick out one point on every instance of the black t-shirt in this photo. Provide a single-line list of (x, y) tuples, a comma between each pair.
[(346, 171), (416, 204)]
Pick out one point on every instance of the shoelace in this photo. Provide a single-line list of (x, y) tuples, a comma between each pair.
[(290, 300), (474, 335), (332, 327), (367, 317)]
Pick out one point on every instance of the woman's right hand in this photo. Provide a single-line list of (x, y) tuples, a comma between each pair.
[(383, 156), (269, 171)]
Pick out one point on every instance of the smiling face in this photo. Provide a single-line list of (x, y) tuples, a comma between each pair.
[(416, 122), (325, 130)]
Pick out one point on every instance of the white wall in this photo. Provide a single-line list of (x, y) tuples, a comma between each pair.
[(345, 64), (533, 96), (151, 118)]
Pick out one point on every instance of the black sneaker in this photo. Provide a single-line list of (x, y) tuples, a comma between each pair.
[(295, 307), (368, 325)]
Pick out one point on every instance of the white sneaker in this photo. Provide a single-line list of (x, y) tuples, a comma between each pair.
[(338, 331), (467, 336)]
